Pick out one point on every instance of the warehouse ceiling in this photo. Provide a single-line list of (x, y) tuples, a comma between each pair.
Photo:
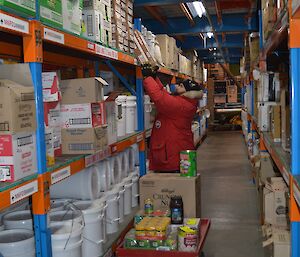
[(232, 20)]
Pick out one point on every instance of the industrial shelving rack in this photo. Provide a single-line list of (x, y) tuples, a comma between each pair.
[(287, 163), (28, 40)]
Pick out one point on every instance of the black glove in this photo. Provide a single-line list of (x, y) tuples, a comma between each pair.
[(149, 71)]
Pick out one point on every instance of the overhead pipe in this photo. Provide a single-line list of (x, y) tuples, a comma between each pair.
[(219, 47)]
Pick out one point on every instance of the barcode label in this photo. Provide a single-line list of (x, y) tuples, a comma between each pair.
[(60, 174), (79, 121), (5, 173), (27, 96), (21, 141), (54, 36), (23, 192), (81, 147)]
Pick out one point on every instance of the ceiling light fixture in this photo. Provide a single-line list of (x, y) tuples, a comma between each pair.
[(199, 8), (210, 34)]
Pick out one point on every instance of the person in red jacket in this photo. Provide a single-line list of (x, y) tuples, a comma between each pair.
[(171, 131)]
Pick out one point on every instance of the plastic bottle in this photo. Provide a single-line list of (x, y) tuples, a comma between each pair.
[(176, 207)]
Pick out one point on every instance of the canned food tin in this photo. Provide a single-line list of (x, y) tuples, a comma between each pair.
[(187, 239), (188, 163), (149, 208)]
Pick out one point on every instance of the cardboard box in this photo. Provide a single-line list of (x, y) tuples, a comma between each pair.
[(17, 107), (84, 141), (72, 13), (17, 156), (276, 202), (49, 141), (231, 93), (51, 91), (91, 24), (276, 123), (285, 120), (51, 13), (92, 4), (163, 41), (160, 187), (21, 6), (278, 243), (87, 115), (143, 49), (80, 91), (52, 116), (111, 117)]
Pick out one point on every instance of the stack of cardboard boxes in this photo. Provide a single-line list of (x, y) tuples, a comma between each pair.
[(51, 99), (17, 131), (169, 51), (83, 116), (122, 25)]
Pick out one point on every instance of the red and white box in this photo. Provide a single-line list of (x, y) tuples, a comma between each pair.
[(51, 91), (17, 156), (88, 115)]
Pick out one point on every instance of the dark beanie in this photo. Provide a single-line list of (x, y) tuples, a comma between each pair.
[(190, 85)]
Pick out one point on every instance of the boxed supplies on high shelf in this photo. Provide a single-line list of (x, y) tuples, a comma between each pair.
[(17, 131), (83, 116), (22, 7)]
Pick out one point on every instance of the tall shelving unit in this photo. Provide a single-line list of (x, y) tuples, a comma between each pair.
[(287, 163), (32, 42)]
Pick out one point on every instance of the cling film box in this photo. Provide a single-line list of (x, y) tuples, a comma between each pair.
[(25, 7), (51, 12), (160, 187)]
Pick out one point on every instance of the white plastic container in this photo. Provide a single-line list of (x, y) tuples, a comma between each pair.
[(112, 212), (104, 179), (131, 114), (125, 164), (147, 111), (1, 227), (69, 216), (135, 190), (73, 250), (131, 159), (120, 187), (135, 149), (102, 202), (115, 169), (83, 185), (127, 195), (59, 204), (93, 231), (18, 220), (17, 243), (121, 113)]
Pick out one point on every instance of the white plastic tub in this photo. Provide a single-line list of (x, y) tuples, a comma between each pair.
[(121, 113), (59, 204), (131, 159), (112, 212), (115, 169), (18, 220), (125, 164), (71, 250), (127, 196), (69, 216), (104, 176), (102, 202), (93, 231), (121, 189), (135, 190), (17, 243), (131, 114), (83, 185)]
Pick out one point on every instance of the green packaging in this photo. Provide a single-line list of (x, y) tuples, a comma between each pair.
[(25, 7), (188, 163), (51, 12)]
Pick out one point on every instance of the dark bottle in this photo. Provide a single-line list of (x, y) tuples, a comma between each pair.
[(176, 207)]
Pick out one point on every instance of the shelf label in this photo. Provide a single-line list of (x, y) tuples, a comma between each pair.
[(13, 23), (94, 158), (91, 46), (60, 174), (54, 36), (107, 52), (297, 195), (23, 192), (140, 138)]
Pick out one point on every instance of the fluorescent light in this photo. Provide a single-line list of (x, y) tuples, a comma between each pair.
[(210, 34), (199, 7), (215, 48)]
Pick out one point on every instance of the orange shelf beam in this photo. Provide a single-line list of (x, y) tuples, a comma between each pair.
[(122, 145)]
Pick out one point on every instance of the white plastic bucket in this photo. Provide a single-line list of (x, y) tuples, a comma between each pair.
[(102, 202), (64, 235), (17, 243), (18, 220), (125, 164), (104, 180), (131, 159), (93, 231), (59, 204), (115, 169), (135, 190), (83, 185), (120, 187), (147, 111), (127, 195), (1, 227), (121, 115), (112, 211), (135, 149), (131, 114), (73, 250), (69, 216)]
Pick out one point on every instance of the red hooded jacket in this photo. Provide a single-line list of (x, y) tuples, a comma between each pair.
[(171, 132)]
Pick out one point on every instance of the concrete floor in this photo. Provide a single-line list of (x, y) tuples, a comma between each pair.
[(229, 197)]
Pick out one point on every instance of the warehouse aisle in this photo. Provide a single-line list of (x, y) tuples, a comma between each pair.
[(229, 197)]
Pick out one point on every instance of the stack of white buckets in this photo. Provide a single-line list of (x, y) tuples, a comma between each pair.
[(89, 206), (127, 114)]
